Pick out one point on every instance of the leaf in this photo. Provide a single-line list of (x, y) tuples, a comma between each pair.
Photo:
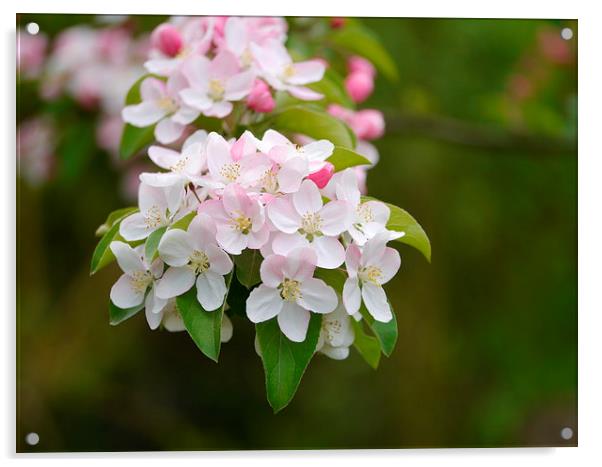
[(367, 346), (184, 222), (359, 40), (133, 139), (152, 243), (247, 267), (343, 158), (331, 86), (401, 221), (284, 361), (119, 315), (102, 253), (335, 278), (386, 333), (113, 217), (133, 95), (205, 327), (315, 123)]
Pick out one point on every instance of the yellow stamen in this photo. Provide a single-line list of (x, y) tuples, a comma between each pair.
[(290, 290), (216, 90), (140, 280), (371, 274), (199, 262), (230, 172)]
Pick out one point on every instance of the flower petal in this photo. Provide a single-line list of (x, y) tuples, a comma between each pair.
[(306, 72), (129, 261), (175, 247), (308, 199), (389, 264), (317, 296), (175, 282), (123, 295), (211, 290), (144, 114), (336, 217), (272, 270), (283, 215), (153, 319), (300, 264), (163, 157), (376, 302), (134, 227), (263, 303), (352, 295), (227, 329), (293, 321), (239, 86), (330, 252), (219, 261), (167, 130), (231, 240)]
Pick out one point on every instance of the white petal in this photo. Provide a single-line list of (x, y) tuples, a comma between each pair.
[(129, 261), (167, 131), (153, 319), (154, 303), (336, 353), (336, 217), (389, 264), (202, 231), (227, 329), (196, 99), (163, 157), (123, 295), (175, 247), (134, 227), (308, 199), (272, 270), (300, 264), (218, 154), (376, 302), (318, 150), (330, 252), (172, 321), (283, 215), (263, 303), (283, 244), (185, 115), (317, 296), (161, 179), (143, 114), (293, 321), (211, 289), (219, 261), (352, 260), (218, 109), (352, 295), (310, 71), (239, 86), (347, 188), (231, 240), (175, 282), (304, 94)]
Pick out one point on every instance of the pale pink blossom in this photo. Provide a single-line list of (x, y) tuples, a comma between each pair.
[(336, 334), (290, 292)]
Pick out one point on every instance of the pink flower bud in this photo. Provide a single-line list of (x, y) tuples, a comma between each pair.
[(368, 124), (167, 39), (340, 112), (322, 176), (359, 86), (260, 99), (337, 22), (361, 65)]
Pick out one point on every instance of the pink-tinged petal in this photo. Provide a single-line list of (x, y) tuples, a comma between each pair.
[(284, 216), (214, 209), (153, 319), (219, 261), (283, 243), (224, 65), (358, 236), (198, 137), (196, 71), (174, 195), (123, 295), (389, 264), (236, 201), (202, 231), (232, 241), (352, 260), (310, 71), (167, 131), (253, 167), (211, 289), (293, 321), (163, 157), (175, 282), (347, 188), (300, 264), (150, 197), (376, 302), (134, 227), (129, 261), (304, 94), (318, 297), (161, 179), (258, 238), (144, 114), (153, 303), (352, 295), (152, 89), (219, 109), (196, 99), (185, 115), (272, 270), (336, 217), (218, 154), (175, 247), (330, 252), (226, 329), (239, 86), (235, 34), (272, 138), (263, 304), (291, 174), (374, 249), (308, 199)]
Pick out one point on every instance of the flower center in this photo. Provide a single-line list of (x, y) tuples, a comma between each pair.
[(167, 104), (242, 223), (269, 181), (179, 166), (230, 171), (364, 213), (311, 223), (371, 274), (199, 262), (288, 71), (216, 90), (140, 280), (290, 290), (153, 217), (332, 328), (246, 58)]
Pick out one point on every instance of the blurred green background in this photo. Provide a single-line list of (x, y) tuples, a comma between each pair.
[(480, 148)]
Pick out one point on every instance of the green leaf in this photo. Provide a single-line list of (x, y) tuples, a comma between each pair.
[(367, 346), (205, 327), (314, 123), (119, 315), (113, 217), (102, 253), (359, 40), (343, 158), (152, 243), (386, 333), (335, 278), (331, 86), (284, 361), (401, 221), (247, 267), (184, 222), (133, 139)]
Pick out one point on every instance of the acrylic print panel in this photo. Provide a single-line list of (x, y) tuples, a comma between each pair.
[(295, 233)]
